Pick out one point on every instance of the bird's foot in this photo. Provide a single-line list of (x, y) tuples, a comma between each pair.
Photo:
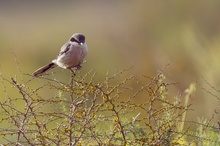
[(78, 67), (73, 72)]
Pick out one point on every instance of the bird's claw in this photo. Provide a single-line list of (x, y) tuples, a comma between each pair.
[(73, 73), (78, 67)]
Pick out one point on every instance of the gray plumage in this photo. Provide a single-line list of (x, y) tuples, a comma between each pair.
[(72, 54)]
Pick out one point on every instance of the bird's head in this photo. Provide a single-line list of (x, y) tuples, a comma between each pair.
[(78, 38)]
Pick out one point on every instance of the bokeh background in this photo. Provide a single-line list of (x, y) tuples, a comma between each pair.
[(145, 34)]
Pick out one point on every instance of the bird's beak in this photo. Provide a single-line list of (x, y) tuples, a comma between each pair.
[(81, 43)]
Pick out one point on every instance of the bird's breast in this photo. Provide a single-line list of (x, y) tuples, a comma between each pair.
[(73, 57)]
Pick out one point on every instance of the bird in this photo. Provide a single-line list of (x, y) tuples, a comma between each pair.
[(71, 55)]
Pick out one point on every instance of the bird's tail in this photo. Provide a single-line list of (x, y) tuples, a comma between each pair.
[(43, 69)]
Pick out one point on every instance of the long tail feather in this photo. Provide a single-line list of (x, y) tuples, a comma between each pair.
[(43, 69)]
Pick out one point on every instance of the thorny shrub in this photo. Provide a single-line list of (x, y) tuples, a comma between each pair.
[(87, 112)]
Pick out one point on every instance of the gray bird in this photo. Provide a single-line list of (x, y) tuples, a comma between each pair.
[(72, 54)]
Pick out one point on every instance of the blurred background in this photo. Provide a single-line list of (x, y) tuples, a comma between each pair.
[(145, 34)]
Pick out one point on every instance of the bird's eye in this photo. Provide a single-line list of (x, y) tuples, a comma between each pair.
[(73, 39)]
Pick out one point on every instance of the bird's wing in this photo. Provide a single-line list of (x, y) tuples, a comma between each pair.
[(65, 48)]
